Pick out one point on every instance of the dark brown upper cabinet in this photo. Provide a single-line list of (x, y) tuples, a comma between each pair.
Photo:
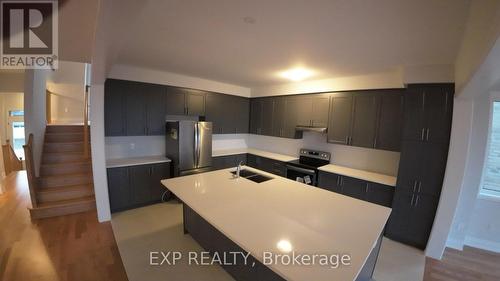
[(340, 118), (319, 111), (176, 101), (390, 120), (267, 116), (428, 110), (156, 109), (114, 108), (134, 108), (183, 101), (310, 110), (370, 119), (195, 102), (279, 116), (364, 121), (229, 114), (256, 116)]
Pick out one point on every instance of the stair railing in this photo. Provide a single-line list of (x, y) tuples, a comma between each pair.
[(10, 160), (30, 170), (86, 150)]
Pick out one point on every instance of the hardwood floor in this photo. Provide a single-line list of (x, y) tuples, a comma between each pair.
[(74, 247), (471, 264)]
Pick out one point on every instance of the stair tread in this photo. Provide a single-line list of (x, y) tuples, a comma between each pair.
[(66, 163), (65, 188), (68, 202), (67, 175), (66, 142)]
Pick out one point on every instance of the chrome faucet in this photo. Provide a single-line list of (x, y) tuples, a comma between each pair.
[(238, 169)]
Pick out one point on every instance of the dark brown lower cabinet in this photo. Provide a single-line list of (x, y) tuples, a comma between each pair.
[(412, 218), (228, 161), (135, 186), (268, 165), (360, 189)]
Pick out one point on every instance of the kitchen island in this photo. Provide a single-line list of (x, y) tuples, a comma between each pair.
[(280, 217)]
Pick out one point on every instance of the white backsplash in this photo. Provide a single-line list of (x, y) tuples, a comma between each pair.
[(124, 147), (380, 161)]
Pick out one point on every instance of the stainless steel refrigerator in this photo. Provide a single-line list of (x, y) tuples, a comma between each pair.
[(189, 146)]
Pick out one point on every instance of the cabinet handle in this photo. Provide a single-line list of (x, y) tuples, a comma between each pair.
[(422, 134), (347, 140), (412, 197), (419, 186), (427, 135), (414, 185), (338, 181), (416, 201), (375, 142), (150, 171), (366, 188)]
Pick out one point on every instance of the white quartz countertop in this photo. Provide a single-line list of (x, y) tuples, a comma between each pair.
[(258, 152), (135, 161), (359, 174), (258, 216)]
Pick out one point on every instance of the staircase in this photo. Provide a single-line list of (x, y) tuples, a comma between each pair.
[(65, 185)]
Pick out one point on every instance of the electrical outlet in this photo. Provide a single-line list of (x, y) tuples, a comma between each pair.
[(132, 145), (66, 110)]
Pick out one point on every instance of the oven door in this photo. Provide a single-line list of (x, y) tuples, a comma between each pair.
[(307, 176)]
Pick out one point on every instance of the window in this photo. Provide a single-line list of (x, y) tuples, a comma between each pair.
[(491, 176), (18, 138), (16, 113)]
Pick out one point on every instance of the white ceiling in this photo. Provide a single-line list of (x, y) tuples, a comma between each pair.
[(210, 39)]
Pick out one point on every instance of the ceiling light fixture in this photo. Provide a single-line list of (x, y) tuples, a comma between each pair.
[(297, 74), (284, 246)]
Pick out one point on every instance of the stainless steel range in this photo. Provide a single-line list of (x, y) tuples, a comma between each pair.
[(305, 169)]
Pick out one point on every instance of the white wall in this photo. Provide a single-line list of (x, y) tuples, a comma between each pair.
[(12, 81), (481, 32), (384, 80), (484, 227), (385, 162), (167, 78), (476, 71), (34, 111), (67, 85), (473, 172)]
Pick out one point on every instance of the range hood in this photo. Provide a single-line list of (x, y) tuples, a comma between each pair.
[(311, 129)]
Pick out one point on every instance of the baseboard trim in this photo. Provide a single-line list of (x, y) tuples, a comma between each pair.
[(483, 244), (455, 244)]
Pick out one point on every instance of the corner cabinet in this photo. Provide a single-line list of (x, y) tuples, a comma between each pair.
[(136, 186), (424, 153)]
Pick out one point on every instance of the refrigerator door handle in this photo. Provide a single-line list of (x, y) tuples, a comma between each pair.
[(198, 152), (195, 151)]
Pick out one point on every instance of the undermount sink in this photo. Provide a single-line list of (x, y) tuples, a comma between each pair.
[(255, 177), (245, 173)]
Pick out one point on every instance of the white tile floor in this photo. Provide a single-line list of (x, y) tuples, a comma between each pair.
[(159, 228)]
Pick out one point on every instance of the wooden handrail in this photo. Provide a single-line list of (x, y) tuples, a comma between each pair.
[(86, 150), (10, 160), (30, 170)]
